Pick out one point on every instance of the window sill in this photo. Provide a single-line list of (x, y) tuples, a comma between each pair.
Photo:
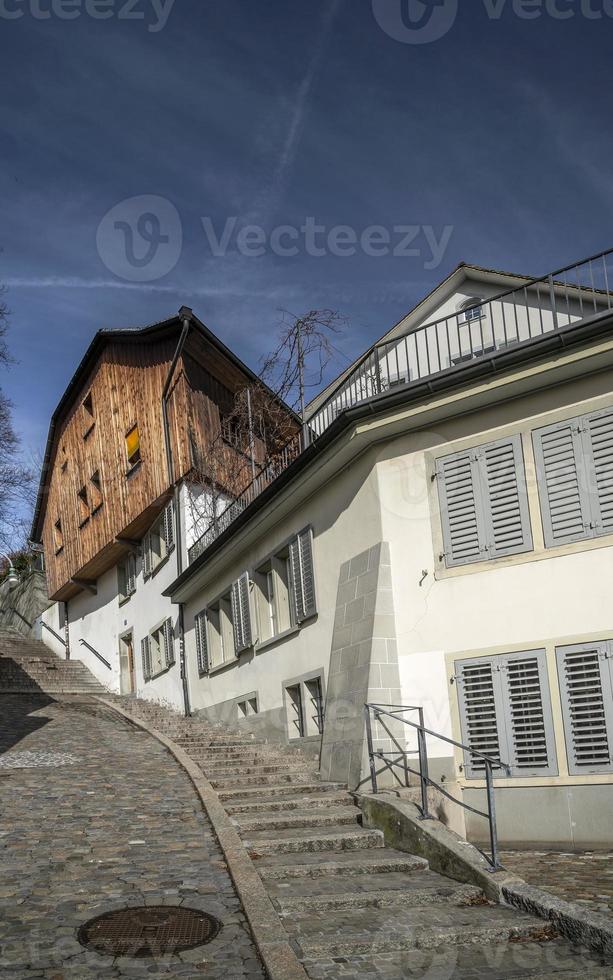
[(133, 469), (58, 551), (96, 510), (160, 564), (220, 667), (279, 638), (83, 523), (89, 431), (125, 600)]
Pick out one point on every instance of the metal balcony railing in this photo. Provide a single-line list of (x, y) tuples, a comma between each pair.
[(398, 760), (568, 296)]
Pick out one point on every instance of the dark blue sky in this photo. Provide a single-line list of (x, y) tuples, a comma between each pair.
[(275, 111)]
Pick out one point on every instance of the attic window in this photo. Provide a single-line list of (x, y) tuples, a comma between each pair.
[(58, 536), (133, 447), (471, 309), (88, 415), (84, 512), (95, 488)]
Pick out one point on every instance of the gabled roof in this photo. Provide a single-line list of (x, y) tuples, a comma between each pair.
[(101, 339)]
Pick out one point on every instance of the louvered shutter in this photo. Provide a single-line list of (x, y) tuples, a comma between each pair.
[(478, 712), (560, 463), (502, 473), (530, 744), (147, 556), (241, 613), (131, 575), (462, 514), (598, 434), (302, 576), (146, 658), (585, 672), (168, 526), (202, 643), (169, 643)]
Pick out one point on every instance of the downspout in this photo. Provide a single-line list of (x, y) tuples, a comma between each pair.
[(186, 315)]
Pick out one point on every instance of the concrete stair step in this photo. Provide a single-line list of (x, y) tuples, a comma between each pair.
[(274, 805), (246, 759), (264, 769), (339, 816), (415, 928), (299, 840), (555, 958), (261, 780), (346, 864), (257, 794)]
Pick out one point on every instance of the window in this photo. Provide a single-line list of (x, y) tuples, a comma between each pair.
[(297, 728), (585, 672), (285, 587), (316, 703), (157, 649), (133, 447), (505, 712), (95, 490), (225, 628), (484, 503), (88, 415), (471, 309), (160, 541), (304, 705), (58, 537), (574, 461), (126, 578), (248, 706), (84, 511)]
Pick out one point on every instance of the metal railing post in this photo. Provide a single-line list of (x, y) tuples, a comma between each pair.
[(552, 300), (423, 766), (371, 755), (491, 809)]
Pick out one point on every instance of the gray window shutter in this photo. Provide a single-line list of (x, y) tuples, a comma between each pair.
[(147, 556), (504, 492), (146, 657), (202, 643), (302, 575), (560, 464), (241, 613), (168, 526), (169, 643), (598, 431), (131, 575), (527, 714), (478, 712), (122, 586), (462, 515), (585, 672)]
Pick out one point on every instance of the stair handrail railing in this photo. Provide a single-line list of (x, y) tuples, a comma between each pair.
[(57, 636), (95, 652), (375, 712)]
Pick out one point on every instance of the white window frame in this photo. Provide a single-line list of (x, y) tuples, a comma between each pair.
[(126, 570), (159, 542)]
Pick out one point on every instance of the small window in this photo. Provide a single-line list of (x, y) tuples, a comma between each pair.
[(248, 707), (220, 632), (471, 309), (133, 447), (285, 587), (160, 541), (88, 415), (58, 538), (315, 704), (84, 510), (95, 490), (126, 578), (158, 650), (296, 723)]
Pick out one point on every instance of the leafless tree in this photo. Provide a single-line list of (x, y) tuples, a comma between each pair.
[(16, 480), (258, 437)]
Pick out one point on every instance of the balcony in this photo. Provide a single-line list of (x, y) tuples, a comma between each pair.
[(561, 299)]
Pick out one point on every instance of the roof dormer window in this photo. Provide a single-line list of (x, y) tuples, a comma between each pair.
[(471, 309)]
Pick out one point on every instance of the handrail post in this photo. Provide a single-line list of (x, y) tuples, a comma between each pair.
[(552, 300), (491, 809), (371, 756), (423, 766)]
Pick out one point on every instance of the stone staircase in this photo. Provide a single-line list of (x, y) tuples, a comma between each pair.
[(351, 906), (27, 666)]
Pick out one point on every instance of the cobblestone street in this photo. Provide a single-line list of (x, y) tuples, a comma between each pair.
[(96, 815), (585, 878)]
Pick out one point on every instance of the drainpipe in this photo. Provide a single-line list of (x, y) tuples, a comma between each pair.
[(66, 631), (186, 315)]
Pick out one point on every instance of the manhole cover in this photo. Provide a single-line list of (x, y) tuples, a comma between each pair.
[(148, 931)]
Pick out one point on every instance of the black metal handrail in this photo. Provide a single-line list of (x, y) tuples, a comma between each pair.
[(394, 711), (95, 652), (57, 636)]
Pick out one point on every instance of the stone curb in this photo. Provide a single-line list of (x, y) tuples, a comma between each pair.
[(279, 959), (455, 857)]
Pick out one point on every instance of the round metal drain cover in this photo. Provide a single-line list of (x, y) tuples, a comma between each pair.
[(148, 931)]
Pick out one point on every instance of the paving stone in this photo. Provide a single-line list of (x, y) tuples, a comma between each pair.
[(585, 877)]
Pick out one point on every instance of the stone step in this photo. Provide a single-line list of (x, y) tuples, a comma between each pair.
[(555, 958), (263, 781), (214, 760), (274, 805), (298, 841), (239, 794), (339, 816), (358, 864), (400, 897), (263, 769), (319, 934)]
